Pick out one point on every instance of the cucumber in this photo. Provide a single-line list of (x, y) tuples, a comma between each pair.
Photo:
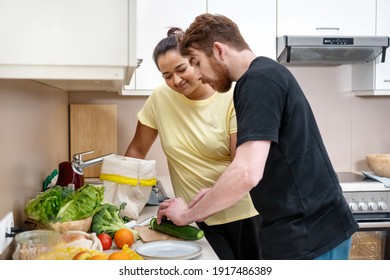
[(184, 232)]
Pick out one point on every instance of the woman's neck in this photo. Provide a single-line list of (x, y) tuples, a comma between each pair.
[(204, 91)]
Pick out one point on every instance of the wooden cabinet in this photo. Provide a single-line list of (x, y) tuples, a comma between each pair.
[(326, 17), (93, 127), (74, 45), (255, 18), (374, 78)]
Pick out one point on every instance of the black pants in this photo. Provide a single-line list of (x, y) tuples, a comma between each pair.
[(239, 240)]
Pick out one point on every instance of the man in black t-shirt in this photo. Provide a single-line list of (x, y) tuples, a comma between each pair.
[(280, 159)]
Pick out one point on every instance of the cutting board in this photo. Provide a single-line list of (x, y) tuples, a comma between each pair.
[(147, 235), (93, 127)]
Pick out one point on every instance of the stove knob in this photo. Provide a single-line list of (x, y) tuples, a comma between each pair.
[(353, 206), (363, 206), (372, 206), (382, 205)]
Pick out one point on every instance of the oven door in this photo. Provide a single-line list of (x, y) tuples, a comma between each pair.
[(372, 240)]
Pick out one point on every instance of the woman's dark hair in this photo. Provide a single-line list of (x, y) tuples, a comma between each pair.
[(167, 44)]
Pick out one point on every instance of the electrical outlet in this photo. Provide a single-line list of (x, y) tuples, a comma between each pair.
[(6, 225)]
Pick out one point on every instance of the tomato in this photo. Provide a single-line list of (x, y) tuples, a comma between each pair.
[(106, 240)]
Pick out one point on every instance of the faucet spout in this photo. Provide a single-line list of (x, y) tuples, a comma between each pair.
[(78, 164)]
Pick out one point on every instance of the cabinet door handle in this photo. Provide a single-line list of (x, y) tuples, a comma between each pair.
[(139, 61), (386, 81), (327, 28)]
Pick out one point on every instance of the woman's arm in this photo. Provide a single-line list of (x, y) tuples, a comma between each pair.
[(142, 141)]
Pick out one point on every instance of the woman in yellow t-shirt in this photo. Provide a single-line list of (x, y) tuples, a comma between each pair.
[(197, 129)]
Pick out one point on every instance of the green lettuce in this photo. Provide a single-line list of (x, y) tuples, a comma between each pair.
[(45, 206), (60, 204), (85, 203)]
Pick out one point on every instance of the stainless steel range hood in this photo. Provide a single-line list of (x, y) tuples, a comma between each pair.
[(331, 50)]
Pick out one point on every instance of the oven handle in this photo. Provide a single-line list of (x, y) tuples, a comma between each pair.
[(374, 225)]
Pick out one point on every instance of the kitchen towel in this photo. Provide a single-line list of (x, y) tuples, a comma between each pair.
[(383, 180)]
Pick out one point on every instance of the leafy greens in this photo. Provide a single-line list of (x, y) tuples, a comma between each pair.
[(61, 204)]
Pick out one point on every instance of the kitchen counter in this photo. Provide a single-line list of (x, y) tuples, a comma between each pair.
[(165, 188), (207, 251)]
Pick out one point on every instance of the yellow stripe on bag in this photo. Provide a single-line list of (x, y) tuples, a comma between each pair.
[(128, 181)]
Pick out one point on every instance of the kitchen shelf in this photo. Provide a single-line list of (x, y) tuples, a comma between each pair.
[(372, 93)]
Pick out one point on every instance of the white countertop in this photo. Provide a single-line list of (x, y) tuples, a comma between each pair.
[(356, 182)]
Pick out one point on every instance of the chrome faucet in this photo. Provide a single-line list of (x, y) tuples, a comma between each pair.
[(78, 164)]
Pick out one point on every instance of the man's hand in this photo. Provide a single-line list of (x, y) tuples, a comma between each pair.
[(173, 209)]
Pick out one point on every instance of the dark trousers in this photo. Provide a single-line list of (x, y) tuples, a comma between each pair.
[(239, 240)]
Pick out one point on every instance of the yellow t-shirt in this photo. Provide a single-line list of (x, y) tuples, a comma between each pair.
[(194, 135)]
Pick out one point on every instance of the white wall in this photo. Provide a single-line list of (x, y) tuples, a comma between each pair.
[(351, 126)]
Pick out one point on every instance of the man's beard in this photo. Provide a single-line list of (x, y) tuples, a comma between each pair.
[(223, 82)]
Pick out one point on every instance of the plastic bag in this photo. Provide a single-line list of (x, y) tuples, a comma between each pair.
[(128, 180)]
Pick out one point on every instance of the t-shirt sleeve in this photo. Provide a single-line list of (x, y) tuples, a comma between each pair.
[(147, 115), (232, 120), (260, 102)]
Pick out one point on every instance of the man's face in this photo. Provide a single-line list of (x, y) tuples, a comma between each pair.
[(210, 71)]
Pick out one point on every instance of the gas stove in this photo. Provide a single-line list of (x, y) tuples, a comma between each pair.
[(364, 195)]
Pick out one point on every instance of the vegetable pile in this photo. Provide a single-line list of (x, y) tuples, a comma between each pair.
[(107, 220), (62, 204)]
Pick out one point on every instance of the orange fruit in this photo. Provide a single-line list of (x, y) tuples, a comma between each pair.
[(99, 257), (83, 255), (118, 255), (123, 236)]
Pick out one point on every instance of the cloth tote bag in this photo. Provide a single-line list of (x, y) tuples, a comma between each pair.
[(128, 180)]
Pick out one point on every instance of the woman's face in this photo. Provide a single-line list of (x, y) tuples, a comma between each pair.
[(178, 73)]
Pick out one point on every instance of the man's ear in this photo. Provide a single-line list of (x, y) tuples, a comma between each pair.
[(219, 51)]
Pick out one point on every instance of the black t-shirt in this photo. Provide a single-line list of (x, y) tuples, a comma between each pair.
[(299, 196)]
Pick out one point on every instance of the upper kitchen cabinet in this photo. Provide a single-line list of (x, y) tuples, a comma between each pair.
[(72, 44), (154, 19), (326, 17), (374, 78), (256, 20)]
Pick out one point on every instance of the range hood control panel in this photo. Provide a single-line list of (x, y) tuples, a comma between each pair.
[(338, 41)]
